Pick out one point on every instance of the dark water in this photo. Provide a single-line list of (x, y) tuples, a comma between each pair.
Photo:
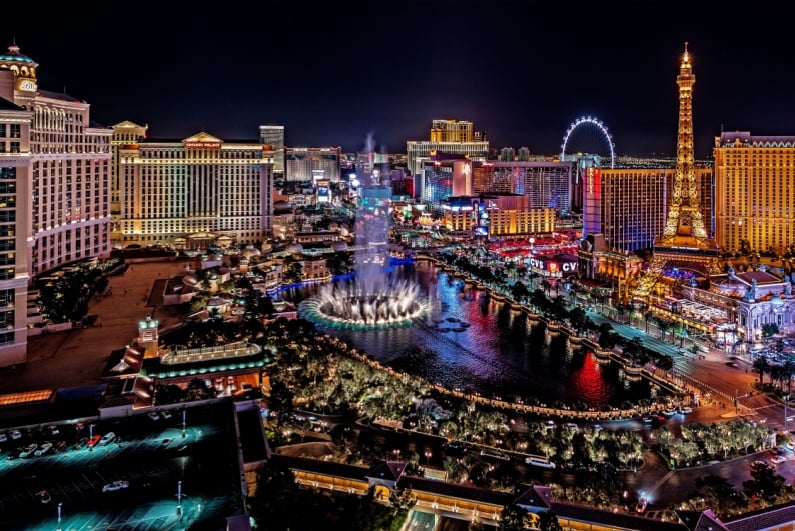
[(470, 341)]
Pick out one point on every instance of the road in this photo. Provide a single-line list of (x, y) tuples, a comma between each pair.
[(712, 374)]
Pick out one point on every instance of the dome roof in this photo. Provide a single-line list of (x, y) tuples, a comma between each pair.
[(776, 300), (340, 246), (731, 284), (250, 251), (13, 56), (294, 248)]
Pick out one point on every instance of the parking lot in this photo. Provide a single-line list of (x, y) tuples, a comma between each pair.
[(142, 473)]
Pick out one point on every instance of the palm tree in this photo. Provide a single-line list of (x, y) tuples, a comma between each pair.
[(648, 317), (664, 325), (761, 366)]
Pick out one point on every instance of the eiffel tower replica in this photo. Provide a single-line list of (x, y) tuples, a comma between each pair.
[(684, 243)]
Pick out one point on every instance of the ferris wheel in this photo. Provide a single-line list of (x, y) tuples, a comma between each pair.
[(589, 134)]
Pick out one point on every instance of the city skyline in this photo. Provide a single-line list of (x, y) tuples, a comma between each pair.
[(338, 74)]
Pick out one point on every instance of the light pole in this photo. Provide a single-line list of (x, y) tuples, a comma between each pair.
[(786, 403), (90, 436), (59, 515), (183, 422), (735, 401), (179, 499)]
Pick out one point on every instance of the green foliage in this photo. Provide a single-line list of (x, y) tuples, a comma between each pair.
[(512, 518), (278, 503)]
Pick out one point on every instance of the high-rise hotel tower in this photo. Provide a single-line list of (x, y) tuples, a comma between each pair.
[(190, 192), (54, 190), (755, 192)]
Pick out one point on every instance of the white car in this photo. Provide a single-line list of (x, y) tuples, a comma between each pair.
[(119, 484), (153, 415), (43, 449), (107, 438), (3, 437), (166, 414), (777, 460), (15, 434), (28, 451)]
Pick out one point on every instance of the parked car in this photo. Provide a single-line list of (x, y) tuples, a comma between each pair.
[(153, 415), (166, 414), (107, 438), (778, 459), (43, 449), (15, 434), (93, 441), (28, 450), (3, 437), (119, 484)]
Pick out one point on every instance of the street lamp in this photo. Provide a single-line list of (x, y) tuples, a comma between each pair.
[(90, 436), (59, 515), (786, 403), (183, 422), (179, 499)]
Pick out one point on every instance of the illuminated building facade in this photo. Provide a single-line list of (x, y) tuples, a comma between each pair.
[(685, 243), (312, 164), (627, 206), (755, 192), (616, 269), (454, 131), (273, 135), (195, 190), (447, 136), (495, 215), (547, 184), (444, 178), (124, 133), (54, 190)]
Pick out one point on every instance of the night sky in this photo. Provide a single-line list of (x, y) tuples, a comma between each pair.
[(334, 72)]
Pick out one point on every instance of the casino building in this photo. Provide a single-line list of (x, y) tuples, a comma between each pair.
[(54, 190), (188, 193)]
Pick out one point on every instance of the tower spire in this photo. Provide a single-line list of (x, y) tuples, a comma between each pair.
[(684, 212), (684, 243)]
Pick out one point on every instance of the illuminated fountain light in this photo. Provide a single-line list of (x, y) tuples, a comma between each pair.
[(348, 305), (374, 298)]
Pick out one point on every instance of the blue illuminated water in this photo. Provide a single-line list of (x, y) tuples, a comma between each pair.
[(471, 341)]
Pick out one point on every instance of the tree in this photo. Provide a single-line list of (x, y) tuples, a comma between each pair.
[(761, 365), (769, 330), (718, 494), (765, 485), (512, 518), (547, 521)]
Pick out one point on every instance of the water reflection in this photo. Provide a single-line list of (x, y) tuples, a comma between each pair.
[(471, 341)]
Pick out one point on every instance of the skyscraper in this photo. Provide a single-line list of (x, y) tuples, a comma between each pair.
[(189, 192), (450, 137), (755, 192), (273, 135), (54, 189)]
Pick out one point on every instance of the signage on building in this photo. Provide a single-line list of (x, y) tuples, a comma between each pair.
[(553, 266), (26, 85), (203, 145)]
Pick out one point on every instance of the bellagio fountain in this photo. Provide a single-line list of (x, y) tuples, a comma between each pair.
[(374, 297)]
